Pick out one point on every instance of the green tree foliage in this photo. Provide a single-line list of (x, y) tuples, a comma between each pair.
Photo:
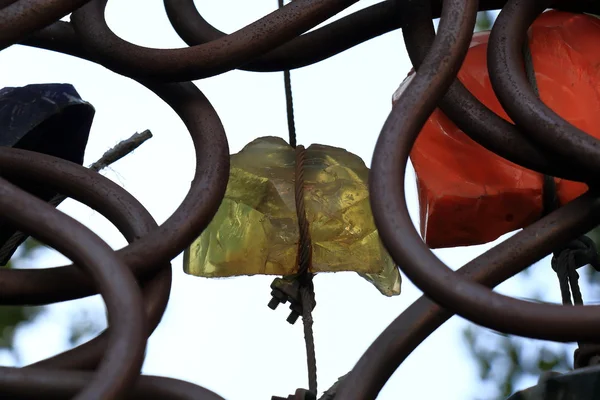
[(484, 22), (12, 318), (504, 361)]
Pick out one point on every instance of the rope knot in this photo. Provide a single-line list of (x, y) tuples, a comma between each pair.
[(580, 252), (298, 288), (566, 261)]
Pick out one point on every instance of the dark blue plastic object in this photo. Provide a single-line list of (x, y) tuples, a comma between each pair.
[(46, 118)]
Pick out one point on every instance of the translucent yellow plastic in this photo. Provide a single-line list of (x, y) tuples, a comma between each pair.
[(255, 230)]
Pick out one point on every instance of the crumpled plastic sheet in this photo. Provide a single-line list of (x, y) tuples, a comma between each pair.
[(255, 230), (469, 195)]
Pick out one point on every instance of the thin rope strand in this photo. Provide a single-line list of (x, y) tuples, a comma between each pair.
[(307, 294), (289, 101)]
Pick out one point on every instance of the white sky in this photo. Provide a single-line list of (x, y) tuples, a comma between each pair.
[(220, 333)]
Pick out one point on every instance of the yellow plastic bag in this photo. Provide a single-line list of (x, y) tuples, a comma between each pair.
[(255, 230)]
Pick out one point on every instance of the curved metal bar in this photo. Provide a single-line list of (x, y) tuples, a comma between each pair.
[(61, 38), (491, 268), (212, 163), (301, 51), (109, 199), (19, 19), (122, 361), (275, 46), (27, 384), (516, 96), (310, 47), (441, 284), (473, 117), (329, 40), (208, 185), (87, 355), (42, 286), (199, 61), (6, 3), (168, 240)]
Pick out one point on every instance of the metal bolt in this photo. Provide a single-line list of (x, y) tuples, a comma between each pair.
[(293, 317), (274, 303)]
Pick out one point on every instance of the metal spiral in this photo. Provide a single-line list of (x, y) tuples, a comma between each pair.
[(135, 281)]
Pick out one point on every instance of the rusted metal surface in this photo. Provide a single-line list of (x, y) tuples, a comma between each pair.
[(22, 17), (109, 366)]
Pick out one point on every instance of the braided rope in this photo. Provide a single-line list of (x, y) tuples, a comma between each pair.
[(304, 276)]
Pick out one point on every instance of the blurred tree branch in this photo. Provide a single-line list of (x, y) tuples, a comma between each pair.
[(13, 317)]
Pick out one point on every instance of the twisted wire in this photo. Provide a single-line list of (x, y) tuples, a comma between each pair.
[(305, 245), (289, 101), (116, 153), (304, 276)]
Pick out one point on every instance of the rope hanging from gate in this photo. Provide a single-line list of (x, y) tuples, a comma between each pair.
[(303, 277), (576, 254), (307, 294)]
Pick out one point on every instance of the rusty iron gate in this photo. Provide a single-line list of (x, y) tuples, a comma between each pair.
[(109, 366)]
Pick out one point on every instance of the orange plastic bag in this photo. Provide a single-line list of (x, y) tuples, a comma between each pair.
[(467, 194)]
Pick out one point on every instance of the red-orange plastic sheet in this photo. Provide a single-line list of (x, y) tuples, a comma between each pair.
[(467, 194)]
